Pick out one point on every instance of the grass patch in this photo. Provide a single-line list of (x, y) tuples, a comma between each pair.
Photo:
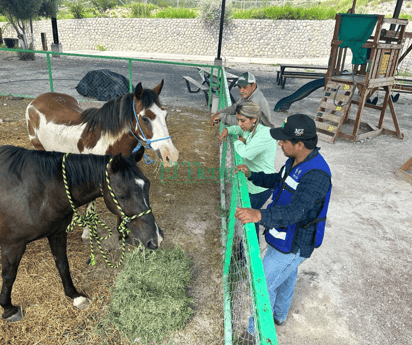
[(172, 12), (287, 12), (405, 16), (149, 300)]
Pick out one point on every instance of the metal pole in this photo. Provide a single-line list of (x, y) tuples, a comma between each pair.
[(50, 72), (218, 60), (396, 13), (55, 33), (44, 41)]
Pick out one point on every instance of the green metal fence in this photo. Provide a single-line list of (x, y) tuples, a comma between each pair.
[(51, 63), (244, 283)]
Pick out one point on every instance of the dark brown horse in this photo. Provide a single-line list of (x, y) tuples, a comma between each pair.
[(34, 204)]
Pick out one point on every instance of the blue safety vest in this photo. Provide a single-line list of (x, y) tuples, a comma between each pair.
[(282, 238)]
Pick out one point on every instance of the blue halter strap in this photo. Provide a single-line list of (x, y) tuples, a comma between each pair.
[(147, 141)]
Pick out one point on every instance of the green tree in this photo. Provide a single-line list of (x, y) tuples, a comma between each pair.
[(20, 14)]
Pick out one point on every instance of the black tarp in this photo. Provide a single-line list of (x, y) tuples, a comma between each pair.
[(103, 84)]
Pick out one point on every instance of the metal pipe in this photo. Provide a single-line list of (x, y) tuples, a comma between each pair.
[(222, 18), (54, 28), (396, 13)]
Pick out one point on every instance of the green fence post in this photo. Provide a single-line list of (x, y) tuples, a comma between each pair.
[(130, 76), (50, 72)]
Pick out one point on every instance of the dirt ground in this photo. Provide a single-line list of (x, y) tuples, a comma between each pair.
[(185, 209)]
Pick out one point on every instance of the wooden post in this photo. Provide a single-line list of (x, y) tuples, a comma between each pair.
[(1, 37), (44, 41)]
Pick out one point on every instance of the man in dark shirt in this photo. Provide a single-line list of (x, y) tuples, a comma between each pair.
[(293, 224)]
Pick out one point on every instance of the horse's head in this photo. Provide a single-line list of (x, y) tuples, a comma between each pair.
[(131, 192), (151, 123)]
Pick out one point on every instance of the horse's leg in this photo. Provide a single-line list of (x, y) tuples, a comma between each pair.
[(86, 231), (10, 260), (58, 246)]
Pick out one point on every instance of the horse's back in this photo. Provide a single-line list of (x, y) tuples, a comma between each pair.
[(56, 107), (48, 117)]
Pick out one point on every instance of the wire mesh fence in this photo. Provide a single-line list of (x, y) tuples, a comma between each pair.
[(246, 300)]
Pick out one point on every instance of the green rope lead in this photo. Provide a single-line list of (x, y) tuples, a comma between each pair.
[(92, 220)]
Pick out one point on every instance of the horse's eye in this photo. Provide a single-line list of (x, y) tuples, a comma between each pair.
[(146, 120)]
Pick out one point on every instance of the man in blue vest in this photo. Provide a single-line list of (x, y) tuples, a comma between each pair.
[(295, 220)]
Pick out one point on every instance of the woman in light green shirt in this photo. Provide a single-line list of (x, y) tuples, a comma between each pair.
[(256, 146)]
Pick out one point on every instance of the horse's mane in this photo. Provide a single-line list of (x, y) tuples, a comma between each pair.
[(80, 168), (116, 113)]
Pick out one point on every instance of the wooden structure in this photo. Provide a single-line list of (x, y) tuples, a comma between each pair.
[(405, 171), (385, 46)]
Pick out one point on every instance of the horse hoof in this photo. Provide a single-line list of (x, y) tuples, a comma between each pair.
[(81, 302), (15, 317)]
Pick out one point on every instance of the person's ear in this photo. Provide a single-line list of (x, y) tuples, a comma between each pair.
[(301, 146)]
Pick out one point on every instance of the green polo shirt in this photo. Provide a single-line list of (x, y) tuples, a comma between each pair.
[(258, 153)]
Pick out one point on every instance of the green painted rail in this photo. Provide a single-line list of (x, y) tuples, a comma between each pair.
[(262, 310)]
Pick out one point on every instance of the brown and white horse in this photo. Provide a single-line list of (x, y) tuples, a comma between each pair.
[(56, 122)]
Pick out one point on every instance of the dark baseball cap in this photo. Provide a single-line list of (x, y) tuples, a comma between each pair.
[(298, 126)]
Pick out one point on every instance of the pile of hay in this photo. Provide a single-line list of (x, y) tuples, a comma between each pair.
[(149, 300)]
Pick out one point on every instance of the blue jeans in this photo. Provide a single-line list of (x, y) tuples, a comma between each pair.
[(281, 271), (257, 201)]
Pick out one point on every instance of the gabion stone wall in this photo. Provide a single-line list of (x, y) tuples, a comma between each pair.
[(242, 38), (280, 39)]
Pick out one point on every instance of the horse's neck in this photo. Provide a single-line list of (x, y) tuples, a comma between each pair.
[(82, 195)]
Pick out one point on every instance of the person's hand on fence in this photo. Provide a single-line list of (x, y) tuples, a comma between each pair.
[(243, 168), (214, 119), (223, 135), (248, 215)]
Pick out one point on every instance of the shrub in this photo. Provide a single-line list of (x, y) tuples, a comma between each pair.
[(103, 5), (210, 10), (142, 10), (77, 10)]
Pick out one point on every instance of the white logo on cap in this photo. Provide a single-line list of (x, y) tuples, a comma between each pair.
[(299, 131)]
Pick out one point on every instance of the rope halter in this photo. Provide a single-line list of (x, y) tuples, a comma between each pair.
[(91, 219), (147, 141)]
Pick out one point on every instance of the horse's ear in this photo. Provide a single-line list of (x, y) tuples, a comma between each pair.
[(159, 87), (116, 163), (138, 91), (138, 154)]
